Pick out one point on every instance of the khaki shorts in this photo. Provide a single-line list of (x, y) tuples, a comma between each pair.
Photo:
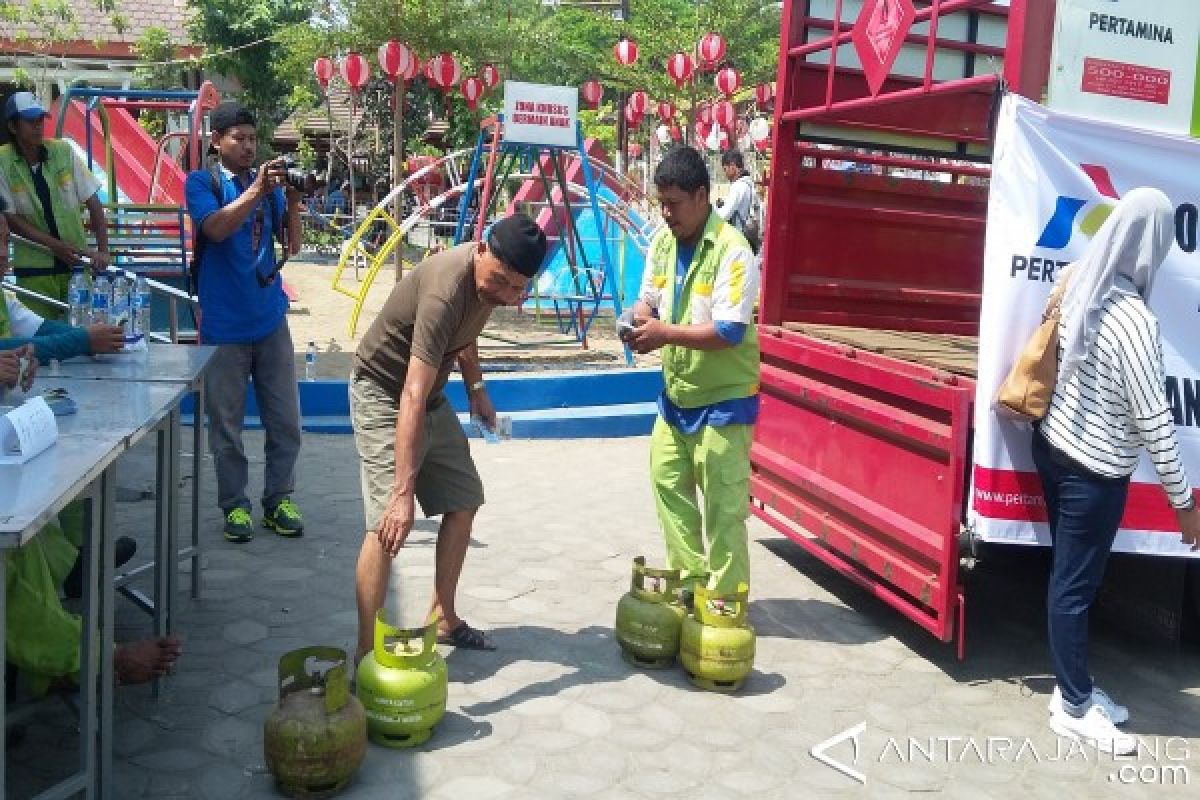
[(446, 476)]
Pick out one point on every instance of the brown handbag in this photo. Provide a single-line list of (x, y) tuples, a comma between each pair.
[(1026, 391)]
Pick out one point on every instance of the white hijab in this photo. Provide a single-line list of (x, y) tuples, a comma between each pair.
[(1122, 259)]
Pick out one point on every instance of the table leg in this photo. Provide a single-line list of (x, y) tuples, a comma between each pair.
[(90, 658), (173, 428), (3, 675), (162, 547), (108, 506), (198, 419)]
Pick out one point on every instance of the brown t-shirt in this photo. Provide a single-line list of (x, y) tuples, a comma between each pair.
[(433, 313)]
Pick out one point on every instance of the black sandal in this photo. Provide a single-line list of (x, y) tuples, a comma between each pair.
[(467, 638)]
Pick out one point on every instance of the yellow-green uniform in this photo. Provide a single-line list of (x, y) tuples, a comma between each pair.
[(702, 437), (70, 185), (41, 637)]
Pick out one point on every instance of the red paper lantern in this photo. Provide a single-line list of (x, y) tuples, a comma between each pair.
[(676, 133), (472, 89), (705, 114), (762, 94), (626, 52), (666, 112), (397, 60), (635, 150), (680, 67), (323, 69), (703, 129), (712, 48), (355, 71), (722, 140), (639, 101), (592, 92), (724, 114), (490, 75), (728, 81), (633, 117), (444, 71)]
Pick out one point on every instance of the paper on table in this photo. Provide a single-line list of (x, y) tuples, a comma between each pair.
[(26, 431)]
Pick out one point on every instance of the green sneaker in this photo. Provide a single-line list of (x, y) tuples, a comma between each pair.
[(284, 518), (239, 527)]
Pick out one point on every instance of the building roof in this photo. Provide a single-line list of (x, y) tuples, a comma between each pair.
[(93, 33), (314, 122)]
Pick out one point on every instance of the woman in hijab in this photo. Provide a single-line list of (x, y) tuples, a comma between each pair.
[(1109, 402)]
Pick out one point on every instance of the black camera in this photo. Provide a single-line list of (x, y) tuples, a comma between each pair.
[(293, 174)]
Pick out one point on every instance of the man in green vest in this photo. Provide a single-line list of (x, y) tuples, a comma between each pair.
[(43, 184), (697, 305)]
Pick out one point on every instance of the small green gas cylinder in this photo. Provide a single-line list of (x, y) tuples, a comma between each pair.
[(649, 616), (402, 684), (717, 643), (316, 737)]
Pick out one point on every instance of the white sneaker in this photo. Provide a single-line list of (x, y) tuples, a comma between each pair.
[(1117, 713), (1094, 728)]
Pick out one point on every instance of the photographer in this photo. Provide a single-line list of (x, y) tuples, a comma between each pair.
[(238, 212)]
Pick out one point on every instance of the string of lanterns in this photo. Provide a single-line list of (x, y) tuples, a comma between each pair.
[(716, 123), (400, 65)]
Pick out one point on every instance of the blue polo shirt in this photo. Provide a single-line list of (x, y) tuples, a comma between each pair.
[(234, 308)]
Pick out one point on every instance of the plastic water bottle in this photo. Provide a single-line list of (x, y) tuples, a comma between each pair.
[(310, 362), (101, 300), (141, 306), (79, 299), (121, 306)]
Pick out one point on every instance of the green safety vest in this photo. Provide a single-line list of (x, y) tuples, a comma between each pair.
[(5, 322), (59, 169), (694, 378)]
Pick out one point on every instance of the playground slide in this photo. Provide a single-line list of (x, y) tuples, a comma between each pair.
[(133, 151)]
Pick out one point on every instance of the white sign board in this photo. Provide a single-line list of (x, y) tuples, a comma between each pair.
[(538, 114), (1055, 178), (1129, 61)]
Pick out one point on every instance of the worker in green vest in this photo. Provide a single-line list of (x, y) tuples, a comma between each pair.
[(43, 184), (41, 637), (696, 304)]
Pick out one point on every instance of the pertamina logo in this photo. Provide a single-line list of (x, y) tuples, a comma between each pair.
[(1061, 227)]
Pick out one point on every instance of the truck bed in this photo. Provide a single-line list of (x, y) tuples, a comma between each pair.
[(944, 351)]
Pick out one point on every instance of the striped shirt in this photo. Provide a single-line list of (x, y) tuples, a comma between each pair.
[(1116, 402)]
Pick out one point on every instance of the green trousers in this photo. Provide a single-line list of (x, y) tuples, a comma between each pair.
[(708, 540), (50, 285), (42, 638)]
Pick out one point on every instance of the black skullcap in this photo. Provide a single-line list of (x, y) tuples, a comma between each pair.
[(228, 115), (519, 243)]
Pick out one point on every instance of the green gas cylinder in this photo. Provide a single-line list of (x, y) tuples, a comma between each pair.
[(649, 616), (402, 684), (717, 643), (316, 737)]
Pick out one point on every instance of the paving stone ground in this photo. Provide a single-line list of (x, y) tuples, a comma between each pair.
[(556, 713)]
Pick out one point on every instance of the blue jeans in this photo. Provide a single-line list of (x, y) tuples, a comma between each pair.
[(1085, 511)]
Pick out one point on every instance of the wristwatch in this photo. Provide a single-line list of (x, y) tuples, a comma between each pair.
[(476, 386)]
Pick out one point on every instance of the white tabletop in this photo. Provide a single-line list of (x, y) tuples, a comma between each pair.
[(112, 417), (160, 362), (32, 493)]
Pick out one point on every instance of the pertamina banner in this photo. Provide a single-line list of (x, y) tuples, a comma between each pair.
[(1055, 179)]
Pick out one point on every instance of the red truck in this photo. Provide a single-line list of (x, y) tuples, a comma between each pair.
[(871, 284)]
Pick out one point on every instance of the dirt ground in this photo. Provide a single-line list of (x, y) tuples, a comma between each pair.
[(512, 341)]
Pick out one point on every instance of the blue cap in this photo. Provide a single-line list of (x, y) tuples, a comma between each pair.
[(24, 105)]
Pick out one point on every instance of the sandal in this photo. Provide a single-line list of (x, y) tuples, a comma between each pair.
[(467, 638)]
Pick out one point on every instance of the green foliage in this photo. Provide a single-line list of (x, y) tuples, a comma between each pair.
[(153, 48), (225, 24)]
